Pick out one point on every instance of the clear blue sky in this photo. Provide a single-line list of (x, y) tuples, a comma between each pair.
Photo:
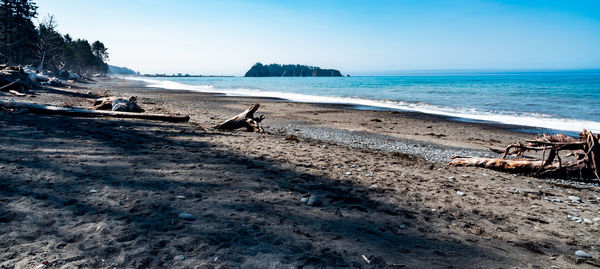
[(354, 36)]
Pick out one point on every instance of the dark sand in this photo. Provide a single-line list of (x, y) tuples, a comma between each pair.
[(104, 193)]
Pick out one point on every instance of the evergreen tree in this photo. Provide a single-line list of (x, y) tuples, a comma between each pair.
[(21, 43), (17, 32)]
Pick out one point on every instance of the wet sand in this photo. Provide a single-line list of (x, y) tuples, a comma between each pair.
[(104, 193)]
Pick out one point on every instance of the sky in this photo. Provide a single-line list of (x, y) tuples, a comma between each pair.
[(227, 37)]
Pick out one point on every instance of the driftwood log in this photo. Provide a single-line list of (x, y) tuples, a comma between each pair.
[(245, 119), (582, 160), (118, 104), (14, 79), (81, 112)]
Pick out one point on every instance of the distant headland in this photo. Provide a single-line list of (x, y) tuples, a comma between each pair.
[(290, 70)]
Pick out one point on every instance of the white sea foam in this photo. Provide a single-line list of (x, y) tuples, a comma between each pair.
[(513, 118)]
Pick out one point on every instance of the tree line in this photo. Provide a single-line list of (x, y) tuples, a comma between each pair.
[(290, 70), (42, 46)]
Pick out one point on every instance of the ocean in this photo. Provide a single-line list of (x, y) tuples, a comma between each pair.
[(563, 101)]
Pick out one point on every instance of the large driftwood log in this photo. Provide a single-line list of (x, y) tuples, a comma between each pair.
[(583, 162), (245, 119), (81, 112), (14, 78)]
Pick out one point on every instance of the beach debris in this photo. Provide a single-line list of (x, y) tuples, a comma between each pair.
[(304, 200), (582, 254), (582, 160), (461, 193), (82, 112), (245, 119), (314, 201), (366, 259), (15, 80), (69, 75), (118, 104), (179, 257), (575, 199), (186, 216)]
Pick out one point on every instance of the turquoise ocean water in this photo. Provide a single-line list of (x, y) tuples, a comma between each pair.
[(568, 101)]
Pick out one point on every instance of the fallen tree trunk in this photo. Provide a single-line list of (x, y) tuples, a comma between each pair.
[(81, 112), (584, 155), (245, 119)]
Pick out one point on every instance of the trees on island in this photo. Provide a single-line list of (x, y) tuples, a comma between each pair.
[(290, 70), (22, 43)]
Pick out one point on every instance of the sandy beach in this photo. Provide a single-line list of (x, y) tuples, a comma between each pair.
[(108, 193)]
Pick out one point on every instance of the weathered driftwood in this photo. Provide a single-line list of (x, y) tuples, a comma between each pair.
[(118, 104), (14, 78), (583, 158), (245, 119), (81, 112), (20, 94)]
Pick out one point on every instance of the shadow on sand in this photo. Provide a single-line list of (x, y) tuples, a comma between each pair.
[(102, 193)]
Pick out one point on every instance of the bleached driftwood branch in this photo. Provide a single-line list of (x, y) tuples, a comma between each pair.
[(245, 119)]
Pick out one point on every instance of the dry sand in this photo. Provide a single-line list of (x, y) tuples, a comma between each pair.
[(104, 193)]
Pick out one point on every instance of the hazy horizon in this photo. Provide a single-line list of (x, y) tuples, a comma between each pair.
[(355, 37)]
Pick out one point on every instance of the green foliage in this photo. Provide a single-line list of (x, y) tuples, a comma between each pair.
[(17, 33), (44, 47), (290, 70)]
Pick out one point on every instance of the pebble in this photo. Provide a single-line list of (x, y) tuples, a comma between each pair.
[(187, 216), (452, 178), (582, 254), (577, 219), (304, 200), (348, 173), (575, 199), (587, 221), (374, 186), (180, 257), (180, 196), (93, 191), (596, 219), (461, 193), (466, 176), (314, 201)]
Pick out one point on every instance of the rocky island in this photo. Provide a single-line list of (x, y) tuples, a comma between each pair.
[(290, 70)]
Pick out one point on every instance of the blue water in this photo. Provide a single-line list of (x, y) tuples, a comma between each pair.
[(555, 100)]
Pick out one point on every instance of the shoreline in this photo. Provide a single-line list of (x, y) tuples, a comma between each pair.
[(543, 124), (317, 123), (104, 193)]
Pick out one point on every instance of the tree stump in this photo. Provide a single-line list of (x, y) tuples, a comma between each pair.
[(245, 119)]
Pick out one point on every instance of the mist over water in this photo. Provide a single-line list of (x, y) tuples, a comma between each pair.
[(566, 101)]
